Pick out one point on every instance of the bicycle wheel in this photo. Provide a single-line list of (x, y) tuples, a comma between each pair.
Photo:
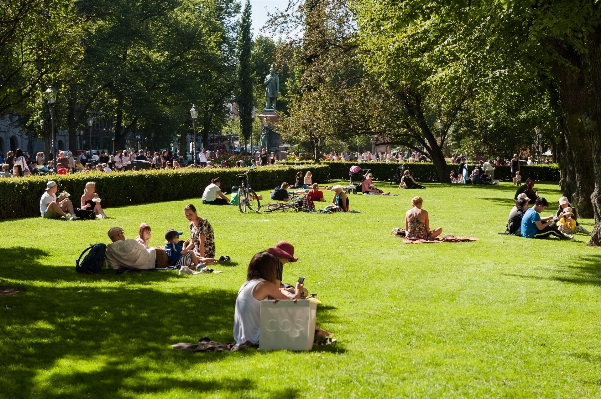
[(272, 207), (242, 199), (253, 201)]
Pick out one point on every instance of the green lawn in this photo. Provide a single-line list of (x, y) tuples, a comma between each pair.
[(502, 317)]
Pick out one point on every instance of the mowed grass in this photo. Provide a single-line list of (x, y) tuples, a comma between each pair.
[(503, 317)]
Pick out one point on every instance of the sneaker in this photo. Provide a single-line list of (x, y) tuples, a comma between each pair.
[(206, 270), (568, 237), (199, 266), (73, 217), (185, 270)]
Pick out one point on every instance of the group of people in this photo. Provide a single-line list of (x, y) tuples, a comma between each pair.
[(61, 207), (483, 173), (526, 221)]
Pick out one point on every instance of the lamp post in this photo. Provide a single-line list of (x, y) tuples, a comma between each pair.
[(51, 98), (90, 124), (194, 115)]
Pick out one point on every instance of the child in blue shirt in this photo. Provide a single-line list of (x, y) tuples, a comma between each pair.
[(177, 255)]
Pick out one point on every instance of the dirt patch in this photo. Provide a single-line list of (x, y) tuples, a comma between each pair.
[(10, 290)]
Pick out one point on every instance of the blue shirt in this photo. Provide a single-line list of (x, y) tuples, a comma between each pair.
[(173, 252), (529, 220)]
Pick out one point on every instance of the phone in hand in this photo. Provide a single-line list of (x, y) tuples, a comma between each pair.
[(301, 280)]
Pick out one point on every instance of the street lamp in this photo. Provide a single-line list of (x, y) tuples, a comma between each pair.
[(51, 98), (90, 124), (194, 115)]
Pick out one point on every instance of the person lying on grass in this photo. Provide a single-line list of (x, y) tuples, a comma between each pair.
[(260, 284), (417, 223), (130, 253)]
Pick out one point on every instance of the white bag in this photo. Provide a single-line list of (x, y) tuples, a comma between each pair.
[(287, 324)]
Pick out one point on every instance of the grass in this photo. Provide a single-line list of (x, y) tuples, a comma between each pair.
[(503, 317)]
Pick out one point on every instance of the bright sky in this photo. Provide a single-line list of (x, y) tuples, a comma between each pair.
[(260, 8)]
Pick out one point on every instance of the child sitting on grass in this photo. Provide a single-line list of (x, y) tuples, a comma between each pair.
[(184, 257), (567, 225)]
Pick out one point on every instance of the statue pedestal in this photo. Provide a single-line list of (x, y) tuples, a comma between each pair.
[(270, 139)]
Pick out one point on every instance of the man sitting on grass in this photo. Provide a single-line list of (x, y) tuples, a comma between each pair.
[(128, 253), (53, 208), (281, 193), (535, 227)]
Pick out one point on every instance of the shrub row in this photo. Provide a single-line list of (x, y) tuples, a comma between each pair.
[(20, 197), (426, 172)]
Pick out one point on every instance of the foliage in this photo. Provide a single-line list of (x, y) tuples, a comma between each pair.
[(466, 320), (20, 197)]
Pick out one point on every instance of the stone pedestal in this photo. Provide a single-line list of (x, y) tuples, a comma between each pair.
[(270, 139)]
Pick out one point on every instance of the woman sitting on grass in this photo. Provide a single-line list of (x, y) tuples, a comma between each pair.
[(368, 186), (408, 181), (340, 201), (417, 223), (91, 201), (260, 284)]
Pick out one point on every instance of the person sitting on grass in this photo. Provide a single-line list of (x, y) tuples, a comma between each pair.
[(417, 222), (340, 202), (408, 181), (91, 201), (368, 187), (261, 283), (528, 189), (213, 195), (144, 234), (533, 226), (280, 193), (122, 253), (181, 255), (308, 180), (567, 225), (514, 223), (315, 193), (55, 208)]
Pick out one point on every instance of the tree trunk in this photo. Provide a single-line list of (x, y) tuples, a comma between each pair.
[(72, 122), (577, 179), (119, 131), (594, 74)]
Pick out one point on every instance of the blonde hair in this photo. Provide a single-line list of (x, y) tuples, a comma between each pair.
[(416, 200), (89, 184)]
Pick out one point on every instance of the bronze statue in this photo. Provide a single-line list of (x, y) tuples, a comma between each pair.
[(272, 88)]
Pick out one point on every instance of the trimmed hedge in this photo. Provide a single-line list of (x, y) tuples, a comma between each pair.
[(20, 197), (426, 172)]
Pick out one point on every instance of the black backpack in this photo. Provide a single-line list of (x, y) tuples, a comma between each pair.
[(92, 263)]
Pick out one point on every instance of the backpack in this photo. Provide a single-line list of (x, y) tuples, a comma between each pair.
[(92, 262)]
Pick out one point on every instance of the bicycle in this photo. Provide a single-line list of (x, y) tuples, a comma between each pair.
[(247, 198), (295, 204)]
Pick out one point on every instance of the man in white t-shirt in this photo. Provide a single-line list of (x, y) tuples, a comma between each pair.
[(128, 253), (213, 194), (51, 208), (202, 158)]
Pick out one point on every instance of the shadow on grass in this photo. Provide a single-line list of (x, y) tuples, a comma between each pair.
[(585, 271), (71, 335)]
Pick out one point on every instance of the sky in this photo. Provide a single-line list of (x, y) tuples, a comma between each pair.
[(260, 8)]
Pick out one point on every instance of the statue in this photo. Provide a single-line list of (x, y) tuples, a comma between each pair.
[(265, 137), (272, 88)]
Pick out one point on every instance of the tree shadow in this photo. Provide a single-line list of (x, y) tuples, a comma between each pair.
[(584, 271), (68, 336)]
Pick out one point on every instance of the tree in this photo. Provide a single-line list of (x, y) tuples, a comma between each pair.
[(245, 93)]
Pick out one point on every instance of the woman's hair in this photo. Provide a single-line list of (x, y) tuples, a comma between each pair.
[(521, 202), (284, 185), (190, 207), (17, 170), (215, 180), (262, 265), (406, 172), (89, 184), (143, 227), (299, 174), (18, 153), (416, 200), (308, 173)]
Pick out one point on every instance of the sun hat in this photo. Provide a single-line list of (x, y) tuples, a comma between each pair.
[(568, 210), (563, 201), (50, 184), (171, 234), (283, 249), (523, 196)]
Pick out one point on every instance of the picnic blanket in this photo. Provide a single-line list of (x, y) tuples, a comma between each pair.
[(206, 345), (400, 232)]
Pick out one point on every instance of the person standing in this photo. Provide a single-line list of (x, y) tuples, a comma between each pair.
[(202, 158), (515, 167)]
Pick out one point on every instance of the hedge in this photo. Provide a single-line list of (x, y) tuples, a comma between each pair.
[(426, 172), (20, 197)]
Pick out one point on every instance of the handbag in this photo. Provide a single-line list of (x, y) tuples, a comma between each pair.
[(287, 324), (85, 214)]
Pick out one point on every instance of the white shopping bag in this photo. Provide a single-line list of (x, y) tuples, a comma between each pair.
[(287, 324)]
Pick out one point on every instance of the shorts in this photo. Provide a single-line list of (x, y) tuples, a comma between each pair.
[(51, 215)]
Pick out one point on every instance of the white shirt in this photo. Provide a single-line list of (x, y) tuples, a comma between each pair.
[(210, 193), (202, 157), (130, 253), (247, 315), (126, 159), (45, 201)]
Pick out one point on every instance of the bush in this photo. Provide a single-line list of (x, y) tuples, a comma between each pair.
[(20, 197)]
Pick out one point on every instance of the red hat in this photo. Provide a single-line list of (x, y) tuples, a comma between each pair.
[(283, 249)]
